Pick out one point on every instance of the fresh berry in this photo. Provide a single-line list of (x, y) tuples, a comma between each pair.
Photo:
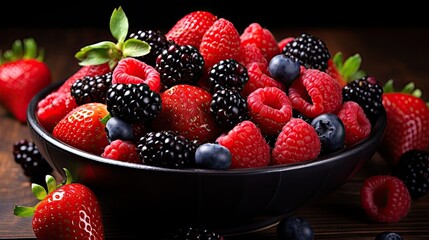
[(69, 210), (309, 50), (270, 109), (345, 71), (121, 150), (357, 126), (407, 122), (297, 142), (196, 232), (228, 74), (186, 110), (117, 128), (367, 92), (283, 69), (413, 169), (250, 53), (228, 108), (388, 236), (166, 149), (133, 103), (315, 92), (262, 37), (27, 155), (82, 128), (131, 70), (212, 156), (220, 41), (91, 88), (22, 75), (189, 30), (331, 132), (294, 228), (247, 146), (385, 198), (259, 79), (180, 65), (157, 42), (283, 42)]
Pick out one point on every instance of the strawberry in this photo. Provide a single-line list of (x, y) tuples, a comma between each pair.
[(22, 74), (82, 128), (220, 41), (262, 37), (407, 122), (344, 71), (189, 30), (69, 210), (186, 110)]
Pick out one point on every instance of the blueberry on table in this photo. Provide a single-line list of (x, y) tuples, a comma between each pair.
[(213, 156), (283, 69), (331, 131), (294, 228), (388, 236)]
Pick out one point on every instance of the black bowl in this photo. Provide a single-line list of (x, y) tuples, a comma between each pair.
[(230, 201)]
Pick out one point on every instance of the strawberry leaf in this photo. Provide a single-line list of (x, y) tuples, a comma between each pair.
[(22, 211), (38, 191), (51, 183), (26, 49), (119, 25), (338, 60), (135, 48), (351, 66)]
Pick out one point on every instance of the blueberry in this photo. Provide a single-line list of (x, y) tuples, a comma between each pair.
[(331, 131), (213, 156), (283, 69), (119, 129), (294, 228), (388, 236)]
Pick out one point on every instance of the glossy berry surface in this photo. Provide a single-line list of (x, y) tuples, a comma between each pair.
[(213, 156), (294, 228), (330, 130), (388, 236), (117, 128), (283, 69)]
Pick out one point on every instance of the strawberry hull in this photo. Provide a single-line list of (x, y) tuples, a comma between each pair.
[(232, 201)]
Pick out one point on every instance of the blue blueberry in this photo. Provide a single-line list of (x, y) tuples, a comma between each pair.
[(388, 236), (283, 69), (213, 156), (119, 129), (294, 228), (330, 130)]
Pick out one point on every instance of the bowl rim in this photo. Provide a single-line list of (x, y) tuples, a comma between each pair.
[(34, 123)]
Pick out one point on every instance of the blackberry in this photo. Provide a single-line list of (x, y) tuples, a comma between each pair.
[(413, 169), (180, 65), (27, 155), (91, 88), (367, 92), (157, 42), (166, 149), (228, 107), (196, 232), (133, 103), (310, 51), (228, 74)]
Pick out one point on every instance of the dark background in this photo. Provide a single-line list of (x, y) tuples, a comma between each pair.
[(163, 14)]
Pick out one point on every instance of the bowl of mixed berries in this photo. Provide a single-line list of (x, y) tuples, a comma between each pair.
[(204, 124)]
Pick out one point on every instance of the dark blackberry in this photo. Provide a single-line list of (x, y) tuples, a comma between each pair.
[(180, 65), (156, 40), (27, 155), (367, 92), (133, 103), (297, 114), (228, 74), (166, 149), (228, 107), (196, 232), (310, 51), (413, 169), (91, 88)]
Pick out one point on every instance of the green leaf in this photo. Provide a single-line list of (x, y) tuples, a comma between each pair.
[(408, 88), (22, 211), (38, 191), (30, 47), (95, 57), (50, 183), (357, 75), (105, 119), (106, 46), (351, 65), (338, 60), (9, 56), (17, 49), (135, 48), (69, 177), (388, 86), (119, 25)]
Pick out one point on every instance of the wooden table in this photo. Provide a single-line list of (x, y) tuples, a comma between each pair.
[(388, 53)]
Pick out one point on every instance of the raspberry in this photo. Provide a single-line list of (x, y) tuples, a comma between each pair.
[(356, 124), (315, 92), (259, 79), (263, 38), (297, 142), (247, 146), (124, 151), (270, 109), (283, 42), (250, 53), (132, 70), (385, 198)]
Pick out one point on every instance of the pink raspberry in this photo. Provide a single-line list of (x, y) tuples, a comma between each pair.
[(259, 79), (250, 53), (262, 37), (120, 150), (357, 126)]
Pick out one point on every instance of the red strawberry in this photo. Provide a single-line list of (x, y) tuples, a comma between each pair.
[(259, 79), (220, 41), (407, 122), (67, 211), (22, 74), (356, 124), (247, 145), (186, 110), (82, 128), (297, 142), (262, 37), (189, 30)]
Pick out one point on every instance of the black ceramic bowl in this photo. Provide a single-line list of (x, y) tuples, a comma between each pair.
[(230, 201)]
